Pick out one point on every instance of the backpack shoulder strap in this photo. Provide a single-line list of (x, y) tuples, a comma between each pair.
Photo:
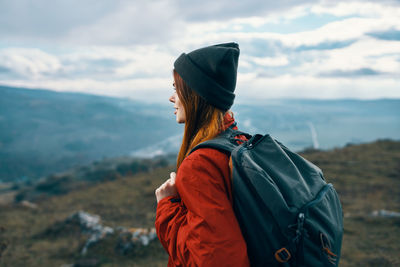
[(224, 142)]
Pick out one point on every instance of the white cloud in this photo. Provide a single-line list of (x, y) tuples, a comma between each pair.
[(269, 61), (128, 48), (145, 89), (343, 30), (365, 53), (149, 61), (112, 62), (290, 86), (132, 23), (378, 18), (363, 8), (30, 63)]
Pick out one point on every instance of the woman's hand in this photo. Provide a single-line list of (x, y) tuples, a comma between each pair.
[(167, 189)]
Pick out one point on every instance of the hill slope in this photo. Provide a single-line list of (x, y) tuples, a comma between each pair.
[(367, 178)]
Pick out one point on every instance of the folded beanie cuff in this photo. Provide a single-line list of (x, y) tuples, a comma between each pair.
[(206, 87)]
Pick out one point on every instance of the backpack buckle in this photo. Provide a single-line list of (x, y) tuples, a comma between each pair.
[(282, 255), (326, 247)]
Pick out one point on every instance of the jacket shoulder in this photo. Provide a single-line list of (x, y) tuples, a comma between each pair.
[(205, 162), (204, 155)]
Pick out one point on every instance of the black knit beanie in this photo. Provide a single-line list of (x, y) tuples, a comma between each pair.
[(211, 72)]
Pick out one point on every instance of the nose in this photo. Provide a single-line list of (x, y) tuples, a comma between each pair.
[(172, 98)]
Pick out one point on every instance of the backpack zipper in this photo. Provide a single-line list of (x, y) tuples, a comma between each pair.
[(318, 197)]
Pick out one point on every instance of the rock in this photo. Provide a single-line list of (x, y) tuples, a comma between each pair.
[(87, 221), (385, 214), (128, 239), (90, 224), (134, 237), (143, 235), (28, 204), (78, 223)]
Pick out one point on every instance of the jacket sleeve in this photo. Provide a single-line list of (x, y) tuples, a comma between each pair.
[(202, 229)]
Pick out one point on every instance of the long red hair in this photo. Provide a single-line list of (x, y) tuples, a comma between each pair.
[(203, 121)]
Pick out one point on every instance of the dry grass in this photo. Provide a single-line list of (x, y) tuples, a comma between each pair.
[(127, 202), (367, 178)]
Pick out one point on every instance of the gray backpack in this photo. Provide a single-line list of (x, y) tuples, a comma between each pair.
[(288, 214)]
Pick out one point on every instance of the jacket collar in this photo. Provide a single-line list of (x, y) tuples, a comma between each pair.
[(229, 120)]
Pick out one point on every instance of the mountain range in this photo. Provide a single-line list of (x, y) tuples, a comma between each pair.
[(44, 132)]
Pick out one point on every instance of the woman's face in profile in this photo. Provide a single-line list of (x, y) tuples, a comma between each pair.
[(179, 110)]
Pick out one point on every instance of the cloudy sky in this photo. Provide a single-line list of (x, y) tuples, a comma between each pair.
[(298, 48)]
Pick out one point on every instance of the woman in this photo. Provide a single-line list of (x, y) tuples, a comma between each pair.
[(195, 221)]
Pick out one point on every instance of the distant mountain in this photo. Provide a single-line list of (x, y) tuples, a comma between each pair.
[(44, 132)]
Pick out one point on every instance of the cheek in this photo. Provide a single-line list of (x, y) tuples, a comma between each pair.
[(181, 116)]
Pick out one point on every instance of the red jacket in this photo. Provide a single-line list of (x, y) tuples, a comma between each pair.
[(200, 228)]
